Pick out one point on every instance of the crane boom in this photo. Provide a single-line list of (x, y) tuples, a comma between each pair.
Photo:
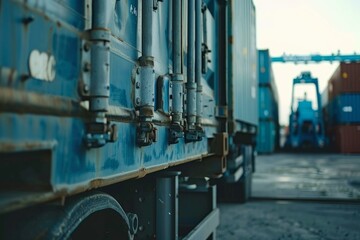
[(315, 58)]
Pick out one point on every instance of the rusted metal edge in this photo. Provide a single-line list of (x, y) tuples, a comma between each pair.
[(62, 191), (209, 122), (17, 101), (120, 114), (10, 146), (58, 22)]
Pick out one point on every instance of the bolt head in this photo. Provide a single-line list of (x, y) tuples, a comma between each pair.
[(137, 84), (87, 67), (86, 47), (137, 101)]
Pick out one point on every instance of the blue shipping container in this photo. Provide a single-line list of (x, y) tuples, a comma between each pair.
[(266, 137), (268, 107), (266, 76), (344, 109), (265, 73)]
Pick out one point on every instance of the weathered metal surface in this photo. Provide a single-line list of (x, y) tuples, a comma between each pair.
[(242, 65), (344, 109), (345, 79), (35, 112), (18, 101), (346, 138), (190, 84)]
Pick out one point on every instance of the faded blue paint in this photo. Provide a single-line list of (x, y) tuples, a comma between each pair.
[(265, 72), (72, 163), (46, 36), (268, 106), (344, 109), (266, 136)]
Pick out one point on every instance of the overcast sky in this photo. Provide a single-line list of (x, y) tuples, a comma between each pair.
[(305, 27)]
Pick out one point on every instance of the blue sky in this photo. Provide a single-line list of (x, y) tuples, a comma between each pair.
[(305, 27)]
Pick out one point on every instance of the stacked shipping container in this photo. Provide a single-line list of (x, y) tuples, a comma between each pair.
[(268, 129), (341, 108)]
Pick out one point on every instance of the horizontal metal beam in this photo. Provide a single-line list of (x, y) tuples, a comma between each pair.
[(206, 227), (234, 177), (316, 58)]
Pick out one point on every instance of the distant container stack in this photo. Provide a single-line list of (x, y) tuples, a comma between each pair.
[(268, 137), (341, 106)]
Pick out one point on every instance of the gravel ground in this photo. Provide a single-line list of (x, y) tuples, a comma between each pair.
[(289, 220)]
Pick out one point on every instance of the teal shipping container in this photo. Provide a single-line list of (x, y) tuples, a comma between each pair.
[(265, 72), (242, 56), (266, 138), (268, 105)]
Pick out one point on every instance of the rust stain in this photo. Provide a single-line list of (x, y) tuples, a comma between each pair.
[(26, 146), (7, 147), (32, 199), (147, 111), (19, 101)]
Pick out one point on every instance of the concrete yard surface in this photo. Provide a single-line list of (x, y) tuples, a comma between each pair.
[(307, 176), (292, 220), (298, 196)]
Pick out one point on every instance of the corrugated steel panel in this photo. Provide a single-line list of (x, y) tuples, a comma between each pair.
[(346, 79), (265, 72), (346, 138), (59, 126), (266, 137), (344, 108), (268, 107), (243, 79)]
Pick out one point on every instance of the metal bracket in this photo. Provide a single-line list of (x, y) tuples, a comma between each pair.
[(176, 131), (84, 83), (221, 111), (156, 4), (204, 58), (194, 135), (146, 134), (100, 133), (219, 145), (137, 99), (143, 95)]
